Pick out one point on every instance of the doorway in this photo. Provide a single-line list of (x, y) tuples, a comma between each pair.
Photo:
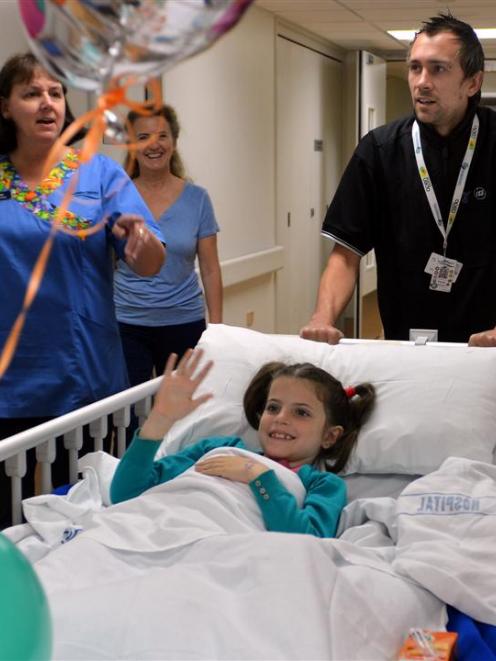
[(308, 167)]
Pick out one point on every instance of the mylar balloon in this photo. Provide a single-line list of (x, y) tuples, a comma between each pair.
[(25, 624), (86, 43)]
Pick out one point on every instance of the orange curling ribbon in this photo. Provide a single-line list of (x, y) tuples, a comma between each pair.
[(115, 96)]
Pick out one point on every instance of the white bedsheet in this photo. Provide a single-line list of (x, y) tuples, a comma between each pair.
[(53, 520), (243, 596), (186, 571)]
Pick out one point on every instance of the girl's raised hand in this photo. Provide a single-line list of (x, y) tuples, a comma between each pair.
[(174, 399)]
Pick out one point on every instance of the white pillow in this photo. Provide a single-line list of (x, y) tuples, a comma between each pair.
[(433, 401)]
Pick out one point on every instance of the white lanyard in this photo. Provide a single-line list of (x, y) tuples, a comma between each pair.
[(460, 184)]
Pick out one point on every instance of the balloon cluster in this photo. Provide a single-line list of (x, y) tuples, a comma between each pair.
[(87, 43), (104, 46)]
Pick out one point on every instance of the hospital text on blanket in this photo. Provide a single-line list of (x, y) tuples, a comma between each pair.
[(446, 503)]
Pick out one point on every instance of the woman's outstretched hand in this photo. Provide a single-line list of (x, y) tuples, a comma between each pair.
[(174, 398), (143, 251)]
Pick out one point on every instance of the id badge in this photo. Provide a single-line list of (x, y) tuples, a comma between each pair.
[(441, 279), (443, 271)]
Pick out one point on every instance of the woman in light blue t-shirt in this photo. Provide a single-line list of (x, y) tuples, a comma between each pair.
[(166, 313)]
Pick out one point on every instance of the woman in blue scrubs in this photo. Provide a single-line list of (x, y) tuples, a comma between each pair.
[(69, 353)]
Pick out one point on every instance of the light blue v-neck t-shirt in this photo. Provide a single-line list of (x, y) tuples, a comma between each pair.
[(174, 295)]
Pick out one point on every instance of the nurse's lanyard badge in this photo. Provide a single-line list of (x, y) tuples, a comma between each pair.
[(443, 270)]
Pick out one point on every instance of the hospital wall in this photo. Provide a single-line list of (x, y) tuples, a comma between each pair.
[(225, 99), (235, 109)]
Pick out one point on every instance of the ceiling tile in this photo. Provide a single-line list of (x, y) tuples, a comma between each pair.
[(355, 24)]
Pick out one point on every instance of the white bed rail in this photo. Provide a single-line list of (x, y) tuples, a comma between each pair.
[(70, 426)]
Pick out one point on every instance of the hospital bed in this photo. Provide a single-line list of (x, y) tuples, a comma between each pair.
[(187, 571)]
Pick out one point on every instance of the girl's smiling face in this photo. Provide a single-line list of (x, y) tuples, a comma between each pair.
[(293, 425)]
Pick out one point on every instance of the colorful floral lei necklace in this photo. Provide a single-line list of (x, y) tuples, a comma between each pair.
[(11, 185)]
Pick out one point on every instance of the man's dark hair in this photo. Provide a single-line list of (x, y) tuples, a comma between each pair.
[(471, 53)]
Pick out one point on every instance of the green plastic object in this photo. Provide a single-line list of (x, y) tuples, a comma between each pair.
[(25, 623)]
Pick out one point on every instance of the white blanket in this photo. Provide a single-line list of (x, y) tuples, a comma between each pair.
[(190, 507), (53, 520), (446, 535), (186, 571)]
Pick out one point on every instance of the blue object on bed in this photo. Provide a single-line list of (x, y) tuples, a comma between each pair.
[(476, 640), (61, 491)]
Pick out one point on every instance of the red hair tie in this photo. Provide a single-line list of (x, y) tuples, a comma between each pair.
[(350, 392)]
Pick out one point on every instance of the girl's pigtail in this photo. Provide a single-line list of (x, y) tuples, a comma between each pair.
[(361, 400), (361, 404)]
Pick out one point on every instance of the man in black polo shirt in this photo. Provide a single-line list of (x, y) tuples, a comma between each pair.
[(421, 191)]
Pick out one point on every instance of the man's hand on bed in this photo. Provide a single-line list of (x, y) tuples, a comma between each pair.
[(174, 398), (484, 339), (235, 468), (320, 331)]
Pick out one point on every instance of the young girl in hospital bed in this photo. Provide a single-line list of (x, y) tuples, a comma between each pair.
[(304, 417)]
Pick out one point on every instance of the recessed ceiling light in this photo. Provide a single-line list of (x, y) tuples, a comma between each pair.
[(486, 33), (402, 35), (408, 35)]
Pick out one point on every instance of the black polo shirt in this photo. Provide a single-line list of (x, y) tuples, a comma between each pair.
[(381, 203)]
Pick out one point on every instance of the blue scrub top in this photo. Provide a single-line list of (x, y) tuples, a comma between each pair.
[(70, 353)]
